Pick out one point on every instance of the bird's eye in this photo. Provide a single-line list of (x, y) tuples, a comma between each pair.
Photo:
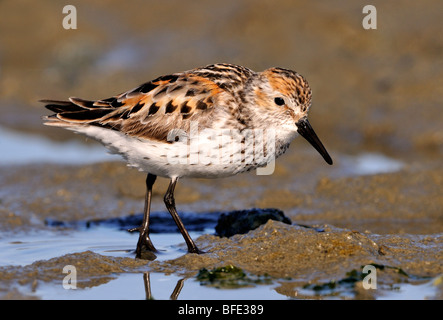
[(279, 101)]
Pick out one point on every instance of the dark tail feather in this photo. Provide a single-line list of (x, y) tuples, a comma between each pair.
[(61, 106), (83, 115), (73, 112)]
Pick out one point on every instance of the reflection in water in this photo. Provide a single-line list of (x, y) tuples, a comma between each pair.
[(178, 288), (147, 282), (156, 285), (175, 293)]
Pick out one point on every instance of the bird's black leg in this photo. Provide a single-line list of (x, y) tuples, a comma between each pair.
[(144, 242), (170, 205)]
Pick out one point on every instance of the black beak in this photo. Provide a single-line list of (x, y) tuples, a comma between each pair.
[(306, 131)]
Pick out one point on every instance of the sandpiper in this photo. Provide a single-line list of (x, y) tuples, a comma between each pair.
[(210, 122)]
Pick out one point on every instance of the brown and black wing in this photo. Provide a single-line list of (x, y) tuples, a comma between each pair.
[(154, 108)]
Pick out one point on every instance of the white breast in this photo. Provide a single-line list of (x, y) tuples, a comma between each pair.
[(203, 154)]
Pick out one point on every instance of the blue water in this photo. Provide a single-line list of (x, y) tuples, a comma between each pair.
[(22, 148), (46, 244)]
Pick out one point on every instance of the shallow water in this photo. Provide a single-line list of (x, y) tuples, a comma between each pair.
[(138, 285), (133, 286), (22, 148), (368, 163), (47, 244), (51, 242), (22, 250)]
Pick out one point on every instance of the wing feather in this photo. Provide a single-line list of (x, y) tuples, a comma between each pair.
[(154, 108)]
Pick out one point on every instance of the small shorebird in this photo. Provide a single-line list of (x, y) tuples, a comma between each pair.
[(210, 122)]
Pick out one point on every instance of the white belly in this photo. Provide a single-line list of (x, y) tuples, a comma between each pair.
[(210, 154)]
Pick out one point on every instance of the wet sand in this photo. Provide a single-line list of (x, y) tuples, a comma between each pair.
[(392, 219), (376, 92)]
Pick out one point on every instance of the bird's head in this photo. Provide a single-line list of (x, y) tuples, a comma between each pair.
[(285, 96)]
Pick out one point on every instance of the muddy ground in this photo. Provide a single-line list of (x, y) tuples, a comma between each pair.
[(393, 220), (376, 91)]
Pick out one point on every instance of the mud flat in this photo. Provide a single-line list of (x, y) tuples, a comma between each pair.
[(392, 221)]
